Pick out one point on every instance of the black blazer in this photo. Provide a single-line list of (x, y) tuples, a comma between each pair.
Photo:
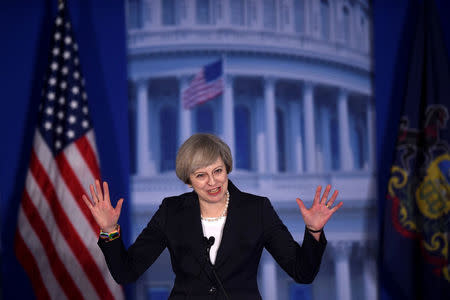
[(251, 225)]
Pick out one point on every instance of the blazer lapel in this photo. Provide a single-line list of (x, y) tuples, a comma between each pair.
[(231, 227)]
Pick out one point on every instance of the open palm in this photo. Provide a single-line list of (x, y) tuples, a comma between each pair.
[(100, 206), (321, 210)]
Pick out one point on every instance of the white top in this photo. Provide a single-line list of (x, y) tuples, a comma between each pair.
[(215, 229)]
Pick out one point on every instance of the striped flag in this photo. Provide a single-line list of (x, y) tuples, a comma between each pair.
[(56, 236), (206, 85)]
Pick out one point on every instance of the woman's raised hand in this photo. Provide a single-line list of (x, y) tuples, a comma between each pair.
[(321, 210), (100, 206)]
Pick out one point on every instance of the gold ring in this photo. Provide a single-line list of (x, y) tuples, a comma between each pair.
[(327, 205)]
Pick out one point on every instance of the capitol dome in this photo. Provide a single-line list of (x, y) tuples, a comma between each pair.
[(296, 110)]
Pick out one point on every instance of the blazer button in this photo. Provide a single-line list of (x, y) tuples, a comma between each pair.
[(212, 290)]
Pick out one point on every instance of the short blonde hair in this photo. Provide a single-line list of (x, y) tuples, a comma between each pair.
[(199, 151)]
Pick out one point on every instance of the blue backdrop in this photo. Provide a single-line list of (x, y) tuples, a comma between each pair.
[(99, 27)]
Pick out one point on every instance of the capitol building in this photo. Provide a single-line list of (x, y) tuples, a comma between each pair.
[(297, 111)]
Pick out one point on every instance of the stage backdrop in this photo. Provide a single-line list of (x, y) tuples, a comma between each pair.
[(100, 30), (288, 85)]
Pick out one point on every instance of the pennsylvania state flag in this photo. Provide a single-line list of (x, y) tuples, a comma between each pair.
[(415, 249)]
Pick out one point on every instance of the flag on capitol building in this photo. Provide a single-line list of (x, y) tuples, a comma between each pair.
[(56, 236), (206, 85)]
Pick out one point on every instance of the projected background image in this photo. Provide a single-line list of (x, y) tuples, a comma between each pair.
[(296, 109)]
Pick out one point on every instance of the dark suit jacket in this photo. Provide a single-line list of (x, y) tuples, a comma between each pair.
[(251, 225)]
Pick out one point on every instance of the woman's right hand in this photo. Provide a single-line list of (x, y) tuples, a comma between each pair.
[(100, 206)]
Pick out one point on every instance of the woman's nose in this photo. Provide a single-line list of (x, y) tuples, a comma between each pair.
[(211, 180)]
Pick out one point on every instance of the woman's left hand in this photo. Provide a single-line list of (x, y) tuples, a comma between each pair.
[(321, 210)]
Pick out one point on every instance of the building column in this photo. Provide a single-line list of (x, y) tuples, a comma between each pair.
[(370, 279), (156, 14), (189, 13), (308, 18), (225, 17), (366, 256), (269, 112), (371, 134), (286, 7), (342, 250), (145, 161), (345, 150), (261, 137), (184, 114), (269, 279), (146, 14), (310, 140), (228, 113), (296, 131), (334, 24)]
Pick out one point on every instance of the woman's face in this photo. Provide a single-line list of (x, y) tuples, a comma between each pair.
[(211, 182)]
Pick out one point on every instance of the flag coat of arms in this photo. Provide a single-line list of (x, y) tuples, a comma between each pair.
[(415, 255), (56, 236), (206, 85)]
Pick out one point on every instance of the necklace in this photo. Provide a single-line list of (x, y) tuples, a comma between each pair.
[(223, 213)]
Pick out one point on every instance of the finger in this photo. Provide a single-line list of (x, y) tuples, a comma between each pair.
[(334, 209), (325, 194), (106, 192), (118, 208), (333, 198), (98, 189), (93, 195), (317, 195), (88, 202), (301, 205)]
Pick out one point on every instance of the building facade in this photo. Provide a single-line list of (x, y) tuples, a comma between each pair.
[(297, 111)]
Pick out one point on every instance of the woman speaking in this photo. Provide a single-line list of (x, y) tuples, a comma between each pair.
[(216, 233)]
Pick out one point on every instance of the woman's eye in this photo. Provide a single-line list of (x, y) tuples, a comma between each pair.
[(199, 176), (219, 171)]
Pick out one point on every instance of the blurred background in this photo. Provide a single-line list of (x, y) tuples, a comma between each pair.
[(296, 109), (310, 95)]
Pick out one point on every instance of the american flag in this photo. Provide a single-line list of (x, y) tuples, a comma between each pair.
[(56, 236), (206, 85)]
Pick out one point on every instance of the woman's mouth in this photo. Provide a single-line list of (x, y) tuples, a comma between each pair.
[(215, 191)]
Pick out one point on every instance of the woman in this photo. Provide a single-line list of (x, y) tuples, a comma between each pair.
[(241, 224)]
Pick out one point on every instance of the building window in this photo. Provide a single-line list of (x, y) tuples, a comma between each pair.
[(346, 24), (169, 12), (242, 137), (237, 12), (270, 14), (168, 124), (327, 132), (325, 19), (299, 15), (204, 119), (359, 132), (134, 17), (203, 12), (334, 141), (281, 140)]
